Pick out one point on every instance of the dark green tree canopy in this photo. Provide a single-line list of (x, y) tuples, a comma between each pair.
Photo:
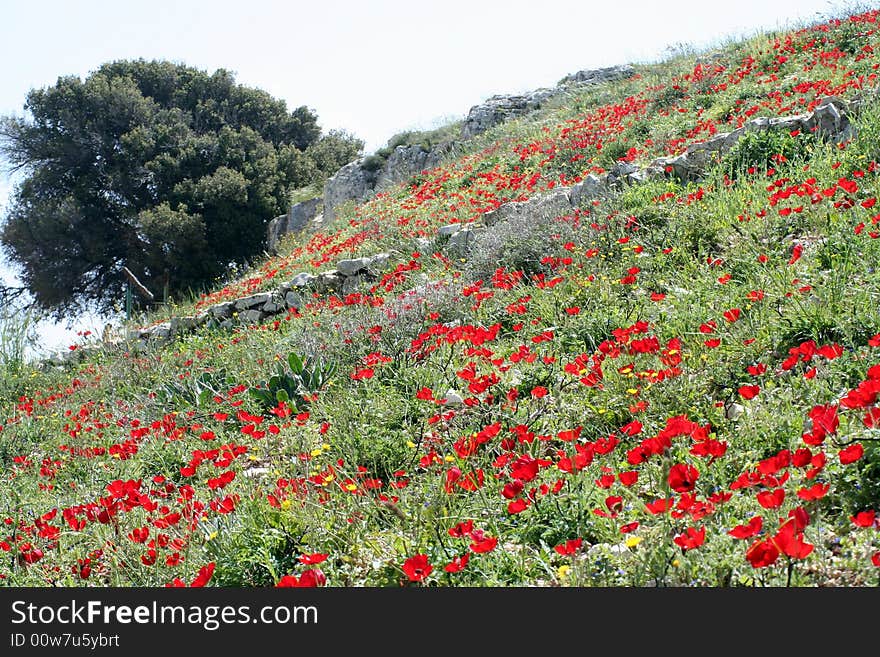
[(165, 169)]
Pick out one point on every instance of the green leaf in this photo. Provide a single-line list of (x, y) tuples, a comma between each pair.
[(282, 395), (295, 362)]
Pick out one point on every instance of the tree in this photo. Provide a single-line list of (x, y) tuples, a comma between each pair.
[(160, 167)]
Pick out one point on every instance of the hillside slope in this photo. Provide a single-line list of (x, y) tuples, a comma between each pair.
[(575, 363)]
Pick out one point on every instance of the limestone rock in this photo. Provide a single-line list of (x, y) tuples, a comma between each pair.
[(296, 220), (591, 187), (352, 267), (599, 75), (351, 183), (302, 279), (500, 108), (253, 301)]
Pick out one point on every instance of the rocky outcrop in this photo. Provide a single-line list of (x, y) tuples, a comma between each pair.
[(349, 276), (296, 220), (598, 75), (830, 120), (501, 108), (407, 161), (359, 181), (351, 183)]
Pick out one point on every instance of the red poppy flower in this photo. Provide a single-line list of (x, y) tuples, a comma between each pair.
[(875, 559), (628, 478), (851, 454), (658, 506), (417, 567), (569, 547), (791, 541), (288, 581), (482, 544), (629, 527), (762, 554), (863, 518), (771, 499), (814, 492), (517, 506), (691, 539), (539, 391), (732, 315), (204, 576), (682, 477), (749, 392), (311, 578), (462, 529), (753, 528), (313, 559), (457, 564)]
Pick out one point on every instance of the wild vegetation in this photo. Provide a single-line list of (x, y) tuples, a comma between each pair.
[(676, 384), (161, 168)]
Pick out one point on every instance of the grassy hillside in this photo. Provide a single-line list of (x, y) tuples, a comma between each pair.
[(675, 384)]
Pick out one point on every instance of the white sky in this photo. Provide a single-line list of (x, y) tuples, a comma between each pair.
[(372, 68)]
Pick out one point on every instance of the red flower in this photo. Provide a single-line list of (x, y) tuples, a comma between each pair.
[(569, 547), (658, 506), (417, 567), (288, 581), (482, 544), (732, 315), (361, 375), (814, 492), (762, 554), (311, 578), (863, 518), (875, 559), (851, 454), (682, 477), (628, 478), (753, 528), (691, 539), (457, 564), (313, 559), (461, 529), (539, 391), (791, 541), (517, 506), (204, 575), (771, 499), (749, 392)]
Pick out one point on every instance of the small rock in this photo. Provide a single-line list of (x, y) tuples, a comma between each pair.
[(352, 267), (253, 301), (302, 279)]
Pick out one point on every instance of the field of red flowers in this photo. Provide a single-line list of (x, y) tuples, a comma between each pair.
[(675, 384)]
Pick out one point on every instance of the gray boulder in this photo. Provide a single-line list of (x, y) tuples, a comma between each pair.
[(302, 279), (296, 220), (598, 76), (554, 203), (591, 187), (253, 301), (351, 183), (501, 108), (352, 267)]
